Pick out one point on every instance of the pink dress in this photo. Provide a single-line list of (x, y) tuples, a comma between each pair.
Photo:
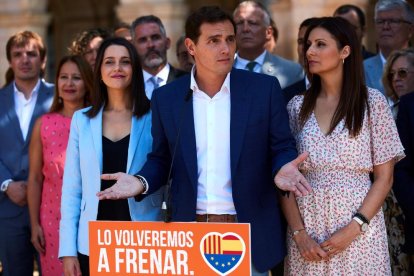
[(338, 170), (54, 135)]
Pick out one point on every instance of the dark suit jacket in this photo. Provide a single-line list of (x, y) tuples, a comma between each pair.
[(294, 89), (261, 143), (404, 170), (14, 160), (175, 74)]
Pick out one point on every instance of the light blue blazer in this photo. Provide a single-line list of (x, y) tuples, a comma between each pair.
[(81, 179)]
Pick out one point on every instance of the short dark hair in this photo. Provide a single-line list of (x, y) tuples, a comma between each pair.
[(308, 22), (347, 8), (86, 74), (139, 100), (354, 95), (145, 20), (206, 14)]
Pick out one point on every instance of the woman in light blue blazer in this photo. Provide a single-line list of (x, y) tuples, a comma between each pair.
[(112, 134)]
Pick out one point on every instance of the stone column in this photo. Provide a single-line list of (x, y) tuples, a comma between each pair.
[(19, 15), (172, 13)]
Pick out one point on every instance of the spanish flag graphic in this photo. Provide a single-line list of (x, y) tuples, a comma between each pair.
[(223, 252)]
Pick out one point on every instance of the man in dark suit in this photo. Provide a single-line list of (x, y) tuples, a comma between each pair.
[(151, 41), (404, 172), (356, 17), (227, 160), (21, 103)]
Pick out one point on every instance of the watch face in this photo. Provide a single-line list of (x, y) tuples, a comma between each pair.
[(364, 227)]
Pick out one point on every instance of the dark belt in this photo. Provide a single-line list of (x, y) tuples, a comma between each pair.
[(216, 218)]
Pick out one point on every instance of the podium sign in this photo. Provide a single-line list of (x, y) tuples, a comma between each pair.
[(176, 248)]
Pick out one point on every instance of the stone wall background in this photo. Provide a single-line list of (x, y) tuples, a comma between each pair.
[(57, 21)]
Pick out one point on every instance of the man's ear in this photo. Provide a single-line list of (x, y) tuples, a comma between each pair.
[(269, 33), (168, 42), (190, 45)]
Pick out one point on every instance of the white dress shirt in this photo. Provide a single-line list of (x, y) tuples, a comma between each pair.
[(162, 79), (24, 107), (241, 63), (212, 133)]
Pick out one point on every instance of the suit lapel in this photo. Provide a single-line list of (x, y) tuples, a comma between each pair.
[(268, 67), (240, 106), (11, 113), (96, 131), (184, 120), (134, 138)]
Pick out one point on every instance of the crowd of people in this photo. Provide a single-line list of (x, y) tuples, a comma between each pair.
[(317, 155)]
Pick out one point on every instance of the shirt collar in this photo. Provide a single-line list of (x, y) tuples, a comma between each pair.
[(243, 62), (163, 74), (225, 87), (34, 92)]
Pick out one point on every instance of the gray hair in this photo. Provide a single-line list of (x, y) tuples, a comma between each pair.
[(386, 5), (147, 19), (266, 14)]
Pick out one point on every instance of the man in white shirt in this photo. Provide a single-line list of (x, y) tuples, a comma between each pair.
[(21, 103), (151, 41), (234, 145), (253, 31)]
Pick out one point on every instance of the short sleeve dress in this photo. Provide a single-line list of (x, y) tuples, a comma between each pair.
[(338, 170), (54, 135)]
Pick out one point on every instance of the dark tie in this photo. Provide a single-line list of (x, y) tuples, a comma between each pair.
[(250, 66)]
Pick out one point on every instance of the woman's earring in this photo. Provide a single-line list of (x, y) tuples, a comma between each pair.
[(60, 100), (343, 61)]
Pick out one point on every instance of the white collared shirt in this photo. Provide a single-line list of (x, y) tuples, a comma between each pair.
[(162, 75), (241, 63), (24, 107), (212, 133)]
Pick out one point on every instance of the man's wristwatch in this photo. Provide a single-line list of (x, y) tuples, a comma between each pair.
[(143, 182), (362, 221), (5, 185)]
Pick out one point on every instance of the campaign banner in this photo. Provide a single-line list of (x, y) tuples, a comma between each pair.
[(176, 248)]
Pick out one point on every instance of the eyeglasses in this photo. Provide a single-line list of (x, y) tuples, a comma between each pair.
[(402, 73), (392, 22)]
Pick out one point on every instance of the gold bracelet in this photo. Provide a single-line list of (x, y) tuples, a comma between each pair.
[(296, 232)]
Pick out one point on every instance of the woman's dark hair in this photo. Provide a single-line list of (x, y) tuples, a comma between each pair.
[(86, 75), (354, 95), (138, 99)]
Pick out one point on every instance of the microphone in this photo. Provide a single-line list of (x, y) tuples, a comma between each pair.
[(166, 204)]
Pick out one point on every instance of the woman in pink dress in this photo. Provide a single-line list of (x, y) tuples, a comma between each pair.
[(349, 132), (47, 156)]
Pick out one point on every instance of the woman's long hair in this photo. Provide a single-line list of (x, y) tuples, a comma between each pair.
[(354, 95), (86, 75), (138, 99)]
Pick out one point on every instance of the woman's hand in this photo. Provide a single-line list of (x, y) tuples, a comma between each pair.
[(38, 239), (308, 248), (342, 238), (71, 266)]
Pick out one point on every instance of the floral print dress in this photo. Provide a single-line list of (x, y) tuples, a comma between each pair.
[(338, 170)]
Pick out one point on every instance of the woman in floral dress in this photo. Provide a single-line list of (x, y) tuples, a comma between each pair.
[(348, 131), (47, 157)]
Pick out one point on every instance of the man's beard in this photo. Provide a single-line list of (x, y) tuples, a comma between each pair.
[(154, 62)]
